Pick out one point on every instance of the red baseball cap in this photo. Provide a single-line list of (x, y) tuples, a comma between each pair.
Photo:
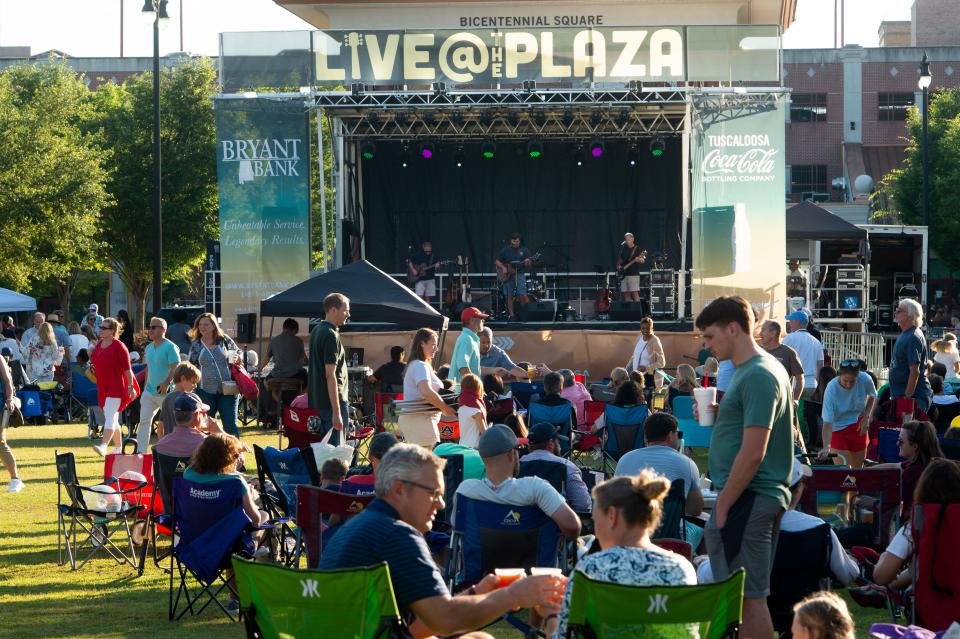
[(470, 312)]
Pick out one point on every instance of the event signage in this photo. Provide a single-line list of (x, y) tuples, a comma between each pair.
[(546, 53), (739, 234), (263, 182)]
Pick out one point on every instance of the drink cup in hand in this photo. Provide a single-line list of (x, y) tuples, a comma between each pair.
[(705, 408), (508, 575)]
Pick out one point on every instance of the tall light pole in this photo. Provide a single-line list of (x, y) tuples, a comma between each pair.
[(924, 84), (156, 10)]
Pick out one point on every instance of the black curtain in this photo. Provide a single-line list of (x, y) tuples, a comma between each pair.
[(581, 212)]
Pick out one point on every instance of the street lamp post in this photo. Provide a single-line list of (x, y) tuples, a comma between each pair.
[(155, 11), (924, 84)]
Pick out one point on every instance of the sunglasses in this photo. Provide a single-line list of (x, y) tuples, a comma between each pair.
[(850, 363)]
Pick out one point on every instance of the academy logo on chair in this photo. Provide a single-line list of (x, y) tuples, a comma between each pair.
[(512, 519), (849, 482)]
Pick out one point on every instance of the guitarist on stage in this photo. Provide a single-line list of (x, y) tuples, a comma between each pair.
[(510, 266), (628, 266), (420, 269)]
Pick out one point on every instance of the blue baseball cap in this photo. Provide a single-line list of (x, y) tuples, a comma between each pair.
[(189, 403), (799, 316)]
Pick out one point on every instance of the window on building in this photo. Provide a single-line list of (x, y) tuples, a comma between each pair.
[(810, 178), (808, 107), (893, 106)]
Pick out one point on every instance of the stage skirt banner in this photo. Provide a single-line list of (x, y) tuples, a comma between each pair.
[(739, 224), (263, 182), (529, 48)]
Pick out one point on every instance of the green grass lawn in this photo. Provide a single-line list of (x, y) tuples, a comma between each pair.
[(38, 598)]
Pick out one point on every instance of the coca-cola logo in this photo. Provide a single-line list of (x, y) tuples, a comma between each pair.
[(753, 161)]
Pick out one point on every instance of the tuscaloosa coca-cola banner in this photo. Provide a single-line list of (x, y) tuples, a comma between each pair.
[(739, 234)]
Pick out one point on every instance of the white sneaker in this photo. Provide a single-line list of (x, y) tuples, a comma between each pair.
[(100, 449), (15, 486)]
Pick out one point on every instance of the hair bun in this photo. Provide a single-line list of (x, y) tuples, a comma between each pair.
[(652, 486)]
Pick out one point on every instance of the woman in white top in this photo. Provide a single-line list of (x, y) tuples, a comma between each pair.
[(648, 352), (78, 341), (945, 352), (420, 382), (472, 413), (42, 354)]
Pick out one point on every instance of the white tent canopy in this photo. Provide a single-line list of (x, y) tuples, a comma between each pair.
[(11, 302)]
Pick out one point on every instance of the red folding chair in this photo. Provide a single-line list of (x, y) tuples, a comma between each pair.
[(682, 548), (316, 504), (380, 402), (116, 464), (501, 408), (937, 565), (296, 429), (592, 410), (882, 483)]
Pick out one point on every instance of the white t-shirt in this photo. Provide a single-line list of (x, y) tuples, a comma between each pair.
[(810, 351), (77, 343), (469, 433), (14, 346), (418, 371), (948, 360), (522, 491)]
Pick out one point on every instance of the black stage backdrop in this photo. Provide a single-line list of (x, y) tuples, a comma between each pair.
[(580, 212)]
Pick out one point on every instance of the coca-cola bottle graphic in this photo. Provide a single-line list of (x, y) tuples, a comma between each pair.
[(740, 238)]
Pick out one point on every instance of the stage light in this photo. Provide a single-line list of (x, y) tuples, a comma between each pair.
[(405, 156), (657, 147), (458, 157), (368, 150), (597, 148), (534, 149), (579, 156), (488, 150), (633, 155), (427, 150)]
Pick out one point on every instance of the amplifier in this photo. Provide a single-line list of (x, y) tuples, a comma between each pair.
[(622, 311), (661, 276), (849, 285), (884, 314), (539, 311), (850, 275)]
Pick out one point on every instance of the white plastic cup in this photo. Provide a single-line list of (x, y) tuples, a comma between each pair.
[(705, 398)]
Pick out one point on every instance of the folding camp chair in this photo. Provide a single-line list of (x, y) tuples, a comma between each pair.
[(83, 399), (937, 565), (883, 483), (296, 428), (943, 414), (950, 448), (592, 410), (284, 602), (888, 445), (284, 470), (623, 431), (671, 519), (502, 408), (452, 478), (563, 417), (138, 469), (694, 435), (527, 392), (553, 472), (488, 536), (801, 567), (682, 548), (603, 610), (314, 506), (384, 411), (165, 469), (89, 528), (209, 524)]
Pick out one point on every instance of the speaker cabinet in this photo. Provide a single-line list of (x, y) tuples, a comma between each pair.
[(621, 311), (539, 311), (246, 328)]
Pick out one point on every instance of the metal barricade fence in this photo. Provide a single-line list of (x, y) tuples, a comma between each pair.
[(869, 347)]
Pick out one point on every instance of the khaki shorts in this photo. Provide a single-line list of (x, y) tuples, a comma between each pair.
[(748, 540), (426, 288), (630, 284)]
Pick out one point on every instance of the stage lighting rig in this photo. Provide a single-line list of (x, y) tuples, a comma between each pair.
[(458, 157), (427, 150), (658, 146), (579, 156), (368, 150), (597, 148), (488, 150), (633, 155), (534, 149), (405, 156)]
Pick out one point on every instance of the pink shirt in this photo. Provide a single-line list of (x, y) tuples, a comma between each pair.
[(577, 395)]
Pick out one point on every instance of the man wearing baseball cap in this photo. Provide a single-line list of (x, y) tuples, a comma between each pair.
[(498, 449), (809, 350), (466, 352), (92, 312), (63, 337), (189, 412)]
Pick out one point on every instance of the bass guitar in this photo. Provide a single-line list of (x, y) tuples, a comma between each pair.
[(507, 271), (417, 272), (604, 296), (639, 258)]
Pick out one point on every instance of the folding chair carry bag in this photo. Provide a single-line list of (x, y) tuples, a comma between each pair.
[(355, 603), (937, 584), (604, 610)]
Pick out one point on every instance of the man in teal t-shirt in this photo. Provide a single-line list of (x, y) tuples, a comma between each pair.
[(466, 352), (162, 357), (751, 457)]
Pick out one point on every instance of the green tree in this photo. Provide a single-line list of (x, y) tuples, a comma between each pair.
[(124, 126), (318, 251), (902, 189), (52, 184)]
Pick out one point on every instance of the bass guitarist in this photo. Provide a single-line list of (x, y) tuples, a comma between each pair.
[(510, 265), (628, 268), (420, 272)]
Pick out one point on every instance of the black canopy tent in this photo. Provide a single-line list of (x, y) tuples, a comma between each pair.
[(807, 221), (374, 297)]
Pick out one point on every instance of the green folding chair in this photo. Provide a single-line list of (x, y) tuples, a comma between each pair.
[(280, 602), (604, 610)]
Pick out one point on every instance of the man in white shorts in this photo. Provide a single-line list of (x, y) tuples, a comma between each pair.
[(628, 264), (426, 286)]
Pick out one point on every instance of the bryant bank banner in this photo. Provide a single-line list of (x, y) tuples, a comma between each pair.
[(263, 181), (739, 224)]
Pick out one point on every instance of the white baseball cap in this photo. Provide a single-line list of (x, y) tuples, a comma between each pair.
[(799, 472), (93, 307)]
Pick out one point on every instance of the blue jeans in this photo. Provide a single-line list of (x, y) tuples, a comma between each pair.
[(225, 406), (326, 421)]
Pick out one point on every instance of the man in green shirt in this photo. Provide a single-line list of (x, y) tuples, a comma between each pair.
[(327, 383), (751, 457), (466, 352)]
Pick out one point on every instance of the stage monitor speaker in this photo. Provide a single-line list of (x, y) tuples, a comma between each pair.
[(539, 311), (621, 311), (246, 328)]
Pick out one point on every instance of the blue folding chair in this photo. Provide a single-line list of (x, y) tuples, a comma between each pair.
[(623, 426), (888, 445), (950, 447), (525, 392), (285, 470), (563, 417), (487, 536), (694, 435)]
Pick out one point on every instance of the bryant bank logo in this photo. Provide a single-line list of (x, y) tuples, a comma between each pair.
[(266, 158)]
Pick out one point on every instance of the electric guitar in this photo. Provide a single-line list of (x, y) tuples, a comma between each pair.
[(417, 272), (640, 258), (504, 273)]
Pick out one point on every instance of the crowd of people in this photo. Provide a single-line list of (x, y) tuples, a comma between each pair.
[(762, 377)]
